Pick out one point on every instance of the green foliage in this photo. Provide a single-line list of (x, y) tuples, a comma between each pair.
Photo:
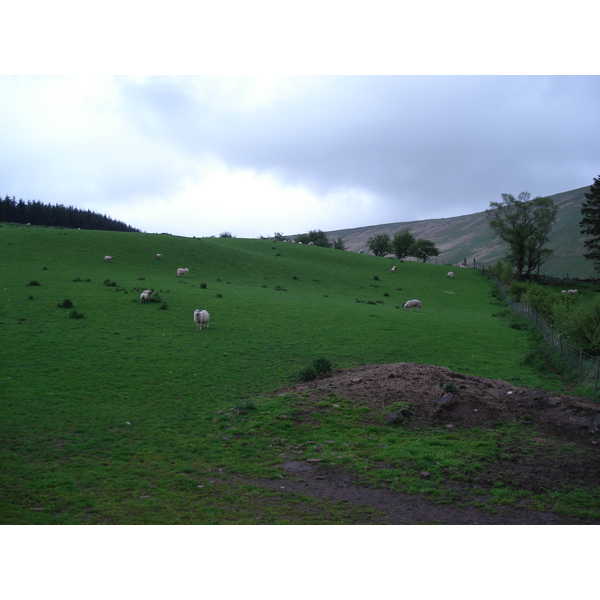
[(319, 367), (525, 226), (109, 283), (517, 290), (423, 250), (450, 388), (590, 224), (66, 303), (380, 244), (34, 283), (581, 323), (339, 244), (75, 315), (226, 234), (316, 236), (401, 242)]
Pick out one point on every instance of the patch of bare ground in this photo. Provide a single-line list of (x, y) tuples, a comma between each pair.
[(559, 419)]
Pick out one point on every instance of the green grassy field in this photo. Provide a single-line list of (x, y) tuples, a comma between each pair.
[(119, 416)]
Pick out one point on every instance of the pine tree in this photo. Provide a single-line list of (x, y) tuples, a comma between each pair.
[(590, 224)]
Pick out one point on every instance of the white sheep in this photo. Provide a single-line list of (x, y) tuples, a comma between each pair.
[(145, 295), (413, 303), (108, 258), (201, 317), (182, 272), (159, 256), (311, 243), (572, 292), (393, 269), (451, 275)]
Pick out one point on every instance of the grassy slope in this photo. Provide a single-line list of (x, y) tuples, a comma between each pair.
[(70, 386), (469, 236)]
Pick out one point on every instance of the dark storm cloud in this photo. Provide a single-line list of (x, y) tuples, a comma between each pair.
[(443, 142)]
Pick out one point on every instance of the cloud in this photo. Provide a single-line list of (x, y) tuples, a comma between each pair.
[(254, 155)]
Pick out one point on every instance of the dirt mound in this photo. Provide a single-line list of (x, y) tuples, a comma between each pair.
[(437, 395)]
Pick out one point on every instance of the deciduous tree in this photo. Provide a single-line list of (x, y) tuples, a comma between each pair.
[(525, 226), (380, 244), (401, 242)]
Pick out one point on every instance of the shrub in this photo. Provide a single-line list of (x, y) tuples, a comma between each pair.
[(322, 366), (75, 315), (110, 283), (308, 374), (163, 306), (66, 303), (376, 278), (203, 286), (245, 406), (33, 282)]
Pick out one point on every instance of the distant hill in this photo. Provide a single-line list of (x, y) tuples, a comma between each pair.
[(470, 237)]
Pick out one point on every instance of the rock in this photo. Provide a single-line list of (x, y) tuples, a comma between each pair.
[(449, 426), (313, 460), (394, 417), (446, 399), (424, 474)]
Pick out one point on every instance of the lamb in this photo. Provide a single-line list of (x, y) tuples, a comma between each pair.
[(413, 303), (145, 295), (572, 292), (182, 272), (159, 256), (108, 258), (451, 275), (201, 317), (393, 269)]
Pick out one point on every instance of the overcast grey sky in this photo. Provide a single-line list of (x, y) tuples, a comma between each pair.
[(199, 155)]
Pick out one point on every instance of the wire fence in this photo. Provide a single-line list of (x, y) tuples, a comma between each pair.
[(584, 365)]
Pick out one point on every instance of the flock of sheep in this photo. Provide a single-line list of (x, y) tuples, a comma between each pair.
[(201, 317)]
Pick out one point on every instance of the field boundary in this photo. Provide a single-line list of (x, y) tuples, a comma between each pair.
[(584, 365)]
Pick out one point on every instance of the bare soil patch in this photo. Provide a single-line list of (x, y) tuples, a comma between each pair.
[(483, 403)]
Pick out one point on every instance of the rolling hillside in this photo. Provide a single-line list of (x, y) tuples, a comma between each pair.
[(470, 237)]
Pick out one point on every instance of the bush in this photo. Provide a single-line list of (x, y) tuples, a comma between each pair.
[(322, 366), (245, 406), (203, 286), (66, 303)]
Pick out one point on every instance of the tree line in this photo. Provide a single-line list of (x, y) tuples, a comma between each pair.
[(57, 215)]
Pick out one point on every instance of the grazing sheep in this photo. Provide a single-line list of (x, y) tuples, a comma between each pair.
[(108, 258), (145, 295), (182, 272), (159, 256), (361, 251), (564, 292), (451, 275), (201, 317), (311, 243), (413, 303), (393, 269), (572, 292)]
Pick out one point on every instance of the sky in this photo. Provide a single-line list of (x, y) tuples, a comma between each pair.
[(254, 151)]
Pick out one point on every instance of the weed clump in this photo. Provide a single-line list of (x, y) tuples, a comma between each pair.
[(203, 286), (66, 303), (34, 282), (75, 315), (319, 367), (109, 283), (163, 306), (244, 406), (450, 388)]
